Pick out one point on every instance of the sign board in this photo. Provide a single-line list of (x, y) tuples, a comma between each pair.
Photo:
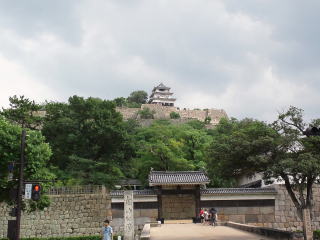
[(28, 191)]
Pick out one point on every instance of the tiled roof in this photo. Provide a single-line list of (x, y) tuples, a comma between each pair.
[(237, 190), (177, 177), (135, 192), (126, 182), (161, 85)]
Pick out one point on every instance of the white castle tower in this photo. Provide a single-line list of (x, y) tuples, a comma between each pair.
[(162, 95)]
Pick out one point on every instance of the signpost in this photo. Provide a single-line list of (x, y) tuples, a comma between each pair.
[(28, 191)]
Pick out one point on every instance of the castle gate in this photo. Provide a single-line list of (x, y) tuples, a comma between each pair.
[(178, 193), (178, 204)]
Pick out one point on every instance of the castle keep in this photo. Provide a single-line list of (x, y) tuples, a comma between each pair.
[(161, 103), (162, 95)]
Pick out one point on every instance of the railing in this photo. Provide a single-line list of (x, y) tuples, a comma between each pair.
[(73, 190)]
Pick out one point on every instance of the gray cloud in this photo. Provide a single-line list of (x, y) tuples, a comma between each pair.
[(250, 58)]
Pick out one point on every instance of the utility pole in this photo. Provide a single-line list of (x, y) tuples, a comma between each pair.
[(20, 187)]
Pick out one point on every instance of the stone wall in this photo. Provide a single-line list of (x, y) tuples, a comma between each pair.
[(178, 206), (279, 213), (128, 113), (163, 112), (68, 215), (255, 212), (286, 216)]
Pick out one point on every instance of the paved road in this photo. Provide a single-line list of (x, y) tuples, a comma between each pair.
[(200, 232)]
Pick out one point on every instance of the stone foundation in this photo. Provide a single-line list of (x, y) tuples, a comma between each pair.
[(163, 112)]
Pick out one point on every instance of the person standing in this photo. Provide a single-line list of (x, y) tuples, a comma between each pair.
[(107, 232), (206, 216), (201, 215)]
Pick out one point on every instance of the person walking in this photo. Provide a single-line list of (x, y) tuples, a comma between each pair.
[(213, 213), (107, 232)]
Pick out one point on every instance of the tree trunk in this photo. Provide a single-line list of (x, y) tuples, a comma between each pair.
[(306, 219)]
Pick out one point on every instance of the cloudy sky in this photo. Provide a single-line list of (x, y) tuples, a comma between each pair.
[(252, 58)]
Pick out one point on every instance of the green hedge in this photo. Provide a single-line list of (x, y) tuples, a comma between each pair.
[(115, 237), (62, 238), (316, 234)]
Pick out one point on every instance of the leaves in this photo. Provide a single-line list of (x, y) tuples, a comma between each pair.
[(37, 155), (89, 140)]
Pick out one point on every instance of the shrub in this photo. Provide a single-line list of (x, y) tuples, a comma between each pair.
[(146, 113), (174, 115), (62, 238), (207, 120), (316, 234)]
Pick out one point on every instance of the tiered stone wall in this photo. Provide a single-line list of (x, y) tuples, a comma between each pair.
[(163, 112), (128, 113), (178, 206), (68, 215)]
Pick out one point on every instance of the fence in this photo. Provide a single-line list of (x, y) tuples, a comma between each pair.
[(73, 190)]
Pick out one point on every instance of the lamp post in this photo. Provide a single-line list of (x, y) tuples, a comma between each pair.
[(19, 195)]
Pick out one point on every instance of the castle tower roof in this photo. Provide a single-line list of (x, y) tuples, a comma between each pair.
[(161, 95)]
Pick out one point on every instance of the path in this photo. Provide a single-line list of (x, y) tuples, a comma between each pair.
[(198, 231)]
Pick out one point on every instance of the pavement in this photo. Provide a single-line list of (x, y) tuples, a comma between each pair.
[(192, 231)]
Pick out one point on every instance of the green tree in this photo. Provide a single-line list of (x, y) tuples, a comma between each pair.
[(174, 115), (235, 147), (207, 120), (296, 159), (37, 154), (146, 113), (89, 140), (24, 112), (139, 97), (278, 151), (120, 102), (164, 146)]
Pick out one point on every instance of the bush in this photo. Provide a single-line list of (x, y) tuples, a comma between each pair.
[(316, 234), (62, 238), (146, 113), (207, 120), (174, 115)]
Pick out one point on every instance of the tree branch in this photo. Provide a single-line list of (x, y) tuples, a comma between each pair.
[(292, 124)]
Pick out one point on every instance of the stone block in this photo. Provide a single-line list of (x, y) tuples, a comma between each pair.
[(268, 218), (267, 210), (151, 213), (248, 210), (136, 213), (251, 218), (116, 213), (237, 218), (230, 211)]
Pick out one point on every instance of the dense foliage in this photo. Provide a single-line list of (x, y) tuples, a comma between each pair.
[(63, 238), (281, 151), (23, 112), (89, 141), (146, 113), (174, 115), (37, 154), (168, 147), (135, 100)]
